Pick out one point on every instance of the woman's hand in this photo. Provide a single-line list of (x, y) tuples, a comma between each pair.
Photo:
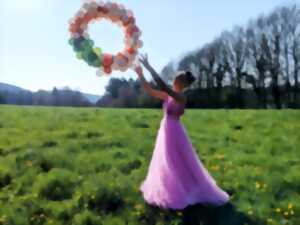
[(144, 60)]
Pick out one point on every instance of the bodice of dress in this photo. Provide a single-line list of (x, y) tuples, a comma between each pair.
[(173, 109)]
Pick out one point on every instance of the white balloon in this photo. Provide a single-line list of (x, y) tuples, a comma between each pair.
[(71, 21), (109, 5), (135, 36), (101, 3), (94, 5), (122, 7), (119, 23), (75, 35), (123, 69), (123, 12), (86, 35), (100, 72), (79, 14), (129, 42), (83, 26), (86, 6), (87, 1), (129, 13), (115, 66)]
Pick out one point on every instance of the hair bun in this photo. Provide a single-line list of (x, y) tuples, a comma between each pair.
[(190, 76)]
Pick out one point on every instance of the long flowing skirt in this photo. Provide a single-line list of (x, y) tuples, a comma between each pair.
[(176, 176)]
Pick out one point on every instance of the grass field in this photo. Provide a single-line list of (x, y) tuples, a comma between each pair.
[(84, 165)]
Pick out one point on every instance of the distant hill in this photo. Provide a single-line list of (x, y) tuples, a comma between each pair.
[(92, 98), (10, 88), (4, 87)]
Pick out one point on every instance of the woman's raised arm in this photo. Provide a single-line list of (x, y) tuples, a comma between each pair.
[(179, 97), (151, 91)]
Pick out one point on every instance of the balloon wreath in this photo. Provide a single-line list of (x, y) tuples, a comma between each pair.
[(84, 47)]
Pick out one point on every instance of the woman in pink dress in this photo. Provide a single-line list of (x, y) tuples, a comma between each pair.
[(176, 176)]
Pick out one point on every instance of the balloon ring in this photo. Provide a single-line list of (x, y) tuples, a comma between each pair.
[(83, 45)]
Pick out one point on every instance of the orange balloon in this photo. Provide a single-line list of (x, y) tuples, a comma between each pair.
[(131, 50), (107, 60), (87, 18)]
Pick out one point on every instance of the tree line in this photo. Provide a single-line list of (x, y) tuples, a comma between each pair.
[(256, 66), (57, 97), (127, 93)]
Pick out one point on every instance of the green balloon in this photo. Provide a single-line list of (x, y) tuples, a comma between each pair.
[(85, 50), (96, 63), (79, 55), (91, 42), (71, 41), (92, 56)]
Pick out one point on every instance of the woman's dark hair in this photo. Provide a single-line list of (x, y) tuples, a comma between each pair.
[(190, 78)]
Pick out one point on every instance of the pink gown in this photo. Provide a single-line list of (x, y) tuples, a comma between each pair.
[(176, 176)]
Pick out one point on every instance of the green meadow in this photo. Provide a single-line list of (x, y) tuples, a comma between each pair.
[(63, 165)]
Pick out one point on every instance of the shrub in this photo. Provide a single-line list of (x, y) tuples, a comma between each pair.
[(72, 134), (140, 124), (29, 156), (103, 167), (5, 179), (86, 218), (49, 144), (92, 134), (126, 168), (102, 195), (56, 185), (119, 155)]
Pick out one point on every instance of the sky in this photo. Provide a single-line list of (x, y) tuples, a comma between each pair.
[(34, 49)]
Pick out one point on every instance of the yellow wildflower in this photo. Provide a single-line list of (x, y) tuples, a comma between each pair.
[(215, 168), (220, 156), (257, 185), (290, 206), (179, 213), (29, 163), (138, 206)]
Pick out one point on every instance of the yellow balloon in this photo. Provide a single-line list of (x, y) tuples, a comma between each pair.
[(98, 51)]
